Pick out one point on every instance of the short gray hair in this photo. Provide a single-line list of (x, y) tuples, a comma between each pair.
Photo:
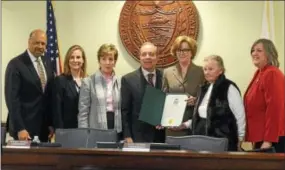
[(218, 59)]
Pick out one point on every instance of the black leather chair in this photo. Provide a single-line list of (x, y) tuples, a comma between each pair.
[(199, 143), (72, 138), (99, 135)]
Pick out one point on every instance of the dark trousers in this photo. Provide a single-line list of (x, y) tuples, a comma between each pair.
[(111, 123), (279, 146)]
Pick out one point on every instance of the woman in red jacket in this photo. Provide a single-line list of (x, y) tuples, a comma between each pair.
[(264, 99)]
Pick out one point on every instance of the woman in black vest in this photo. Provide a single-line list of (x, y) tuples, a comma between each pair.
[(219, 111)]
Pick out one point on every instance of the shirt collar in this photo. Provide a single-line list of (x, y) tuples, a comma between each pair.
[(32, 57), (111, 77), (145, 72)]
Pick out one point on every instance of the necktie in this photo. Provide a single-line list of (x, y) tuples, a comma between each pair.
[(150, 79), (41, 73)]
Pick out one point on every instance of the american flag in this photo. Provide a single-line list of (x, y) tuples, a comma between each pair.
[(52, 50)]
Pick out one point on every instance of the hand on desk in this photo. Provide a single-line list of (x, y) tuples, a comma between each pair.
[(129, 140), (24, 135), (51, 132), (266, 145)]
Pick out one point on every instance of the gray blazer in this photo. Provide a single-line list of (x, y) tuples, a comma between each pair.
[(92, 102)]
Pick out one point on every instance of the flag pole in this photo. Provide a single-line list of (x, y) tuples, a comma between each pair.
[(267, 30)]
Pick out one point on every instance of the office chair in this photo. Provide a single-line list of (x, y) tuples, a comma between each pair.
[(72, 138), (199, 143), (99, 135)]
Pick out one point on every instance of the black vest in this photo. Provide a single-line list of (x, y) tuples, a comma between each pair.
[(221, 121)]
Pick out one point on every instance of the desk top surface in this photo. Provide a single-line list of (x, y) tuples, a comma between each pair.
[(163, 153), (66, 159)]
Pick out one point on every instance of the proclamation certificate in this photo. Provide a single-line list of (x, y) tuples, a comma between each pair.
[(174, 108)]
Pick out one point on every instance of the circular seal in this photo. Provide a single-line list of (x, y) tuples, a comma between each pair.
[(159, 22), (170, 121)]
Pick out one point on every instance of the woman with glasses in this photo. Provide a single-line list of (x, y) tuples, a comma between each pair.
[(184, 77)]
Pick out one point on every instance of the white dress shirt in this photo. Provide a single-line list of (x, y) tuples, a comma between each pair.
[(35, 63), (145, 73), (202, 110), (235, 104)]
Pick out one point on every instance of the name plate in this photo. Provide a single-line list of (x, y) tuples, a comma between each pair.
[(136, 147), (18, 144)]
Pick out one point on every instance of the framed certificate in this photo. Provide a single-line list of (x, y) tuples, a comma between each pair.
[(174, 108), (159, 108)]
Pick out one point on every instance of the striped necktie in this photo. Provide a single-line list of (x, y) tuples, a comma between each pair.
[(41, 73)]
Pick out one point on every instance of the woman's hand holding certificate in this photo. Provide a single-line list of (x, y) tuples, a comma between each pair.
[(174, 108), (191, 101), (163, 109)]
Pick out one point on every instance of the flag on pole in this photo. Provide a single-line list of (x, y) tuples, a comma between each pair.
[(268, 31), (52, 40)]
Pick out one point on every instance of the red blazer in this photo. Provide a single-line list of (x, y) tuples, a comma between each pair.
[(264, 105)]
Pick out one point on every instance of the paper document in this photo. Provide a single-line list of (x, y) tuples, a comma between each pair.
[(159, 108), (174, 108), (136, 147)]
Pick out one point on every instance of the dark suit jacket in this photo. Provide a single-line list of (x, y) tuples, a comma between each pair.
[(28, 106), (132, 91), (65, 102)]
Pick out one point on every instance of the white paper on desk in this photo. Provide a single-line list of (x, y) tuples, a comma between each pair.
[(136, 147), (18, 144), (174, 108)]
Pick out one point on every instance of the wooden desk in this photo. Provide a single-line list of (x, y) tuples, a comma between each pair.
[(66, 159)]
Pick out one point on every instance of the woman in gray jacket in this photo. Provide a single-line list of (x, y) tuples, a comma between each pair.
[(99, 100)]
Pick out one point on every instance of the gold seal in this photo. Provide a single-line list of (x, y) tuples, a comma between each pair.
[(159, 22), (170, 121)]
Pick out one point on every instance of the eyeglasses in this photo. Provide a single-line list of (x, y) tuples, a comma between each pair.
[(183, 50)]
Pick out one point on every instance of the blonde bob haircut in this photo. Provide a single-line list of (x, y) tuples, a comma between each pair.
[(183, 38)]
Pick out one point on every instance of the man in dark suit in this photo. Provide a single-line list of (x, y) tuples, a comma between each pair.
[(27, 91), (132, 91)]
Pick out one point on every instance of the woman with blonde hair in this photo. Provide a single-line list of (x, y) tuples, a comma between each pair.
[(184, 77), (219, 111), (100, 97), (66, 89)]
